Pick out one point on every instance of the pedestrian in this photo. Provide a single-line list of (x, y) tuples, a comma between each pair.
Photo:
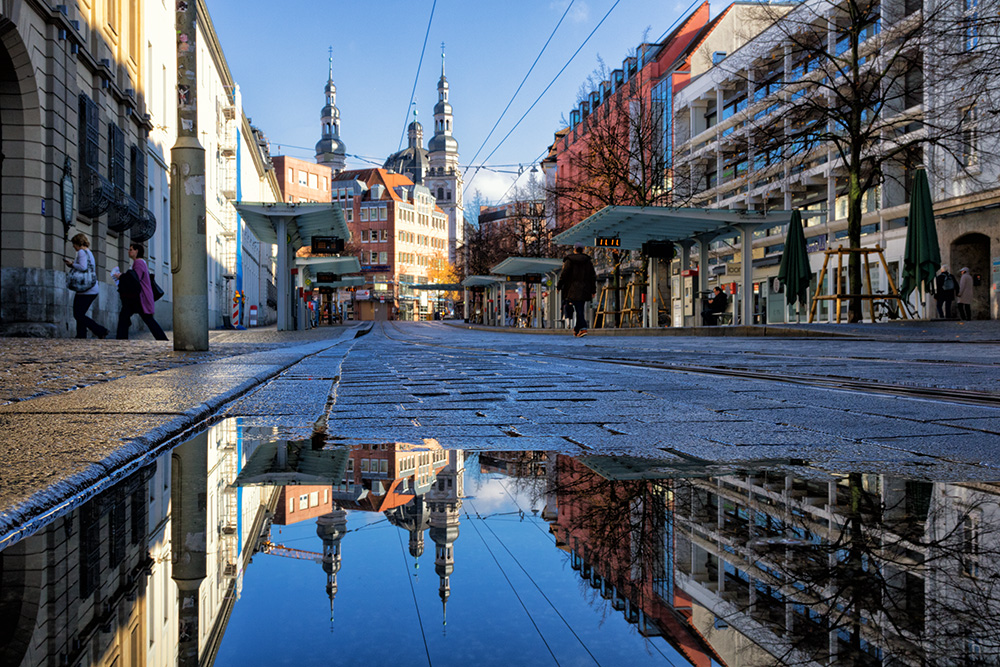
[(714, 307), (83, 281), (944, 292), (578, 285), (136, 292), (965, 294)]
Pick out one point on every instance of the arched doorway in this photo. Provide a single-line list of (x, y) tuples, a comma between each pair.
[(21, 182), (973, 251)]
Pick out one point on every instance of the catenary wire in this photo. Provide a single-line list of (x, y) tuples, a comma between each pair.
[(417, 77), (672, 25), (511, 584), (413, 591), (541, 592), (551, 83), (530, 69)]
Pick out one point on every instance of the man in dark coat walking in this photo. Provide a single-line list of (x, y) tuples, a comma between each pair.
[(578, 284)]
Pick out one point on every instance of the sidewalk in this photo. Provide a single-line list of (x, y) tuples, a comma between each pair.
[(73, 411)]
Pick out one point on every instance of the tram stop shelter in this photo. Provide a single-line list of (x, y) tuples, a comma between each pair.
[(629, 227), (291, 226), (479, 284), (530, 271), (441, 287)]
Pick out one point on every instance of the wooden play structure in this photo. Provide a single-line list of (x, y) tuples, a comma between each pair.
[(868, 297)]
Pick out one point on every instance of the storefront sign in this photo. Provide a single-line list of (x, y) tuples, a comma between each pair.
[(362, 294)]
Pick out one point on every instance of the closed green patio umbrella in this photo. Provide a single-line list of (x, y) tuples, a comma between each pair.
[(794, 272), (922, 257)]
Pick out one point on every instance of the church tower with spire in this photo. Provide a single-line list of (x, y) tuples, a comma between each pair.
[(445, 178), (445, 502), (330, 150)]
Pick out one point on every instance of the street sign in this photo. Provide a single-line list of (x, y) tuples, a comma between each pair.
[(607, 242), (326, 244), (658, 249), (376, 268)]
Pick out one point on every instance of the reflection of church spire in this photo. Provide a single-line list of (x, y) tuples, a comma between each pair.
[(445, 500), (331, 528)]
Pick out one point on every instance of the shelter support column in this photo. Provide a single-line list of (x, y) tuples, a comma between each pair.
[(686, 245), (746, 270), (652, 310), (703, 241), (281, 229)]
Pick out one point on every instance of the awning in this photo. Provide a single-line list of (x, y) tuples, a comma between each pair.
[(520, 266), (305, 221), (480, 281), (337, 265), (442, 287), (635, 225), (349, 281)]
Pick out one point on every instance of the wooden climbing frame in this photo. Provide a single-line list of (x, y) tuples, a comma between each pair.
[(868, 297)]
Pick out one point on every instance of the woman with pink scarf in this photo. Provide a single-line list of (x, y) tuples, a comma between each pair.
[(136, 293)]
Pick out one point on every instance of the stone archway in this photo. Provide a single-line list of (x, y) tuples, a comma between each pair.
[(21, 178), (973, 251)]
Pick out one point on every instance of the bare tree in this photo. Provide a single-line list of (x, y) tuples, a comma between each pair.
[(870, 89)]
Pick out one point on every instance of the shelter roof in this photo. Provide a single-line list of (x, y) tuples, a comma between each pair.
[(635, 225), (479, 281), (349, 281), (305, 220), (441, 287), (338, 265), (519, 266)]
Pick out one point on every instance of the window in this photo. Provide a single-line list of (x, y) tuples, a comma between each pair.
[(364, 465), (313, 183), (364, 215), (372, 257), (314, 499), (383, 465), (971, 24), (970, 139), (385, 234), (349, 215), (364, 236), (383, 213), (303, 178), (304, 501), (383, 257), (291, 175)]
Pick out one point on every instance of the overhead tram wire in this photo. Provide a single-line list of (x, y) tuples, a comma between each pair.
[(417, 77), (666, 32), (512, 587), (530, 69), (416, 606), (551, 83)]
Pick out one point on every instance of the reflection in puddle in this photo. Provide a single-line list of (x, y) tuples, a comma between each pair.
[(234, 548)]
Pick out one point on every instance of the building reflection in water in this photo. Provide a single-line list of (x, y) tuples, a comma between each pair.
[(795, 567)]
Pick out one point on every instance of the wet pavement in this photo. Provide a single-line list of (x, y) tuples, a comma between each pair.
[(757, 459), (234, 548)]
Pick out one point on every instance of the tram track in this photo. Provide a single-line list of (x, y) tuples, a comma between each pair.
[(842, 383)]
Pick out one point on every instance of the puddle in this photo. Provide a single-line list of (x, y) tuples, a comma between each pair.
[(234, 548)]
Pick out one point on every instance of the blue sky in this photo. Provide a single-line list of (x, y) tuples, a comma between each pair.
[(278, 54)]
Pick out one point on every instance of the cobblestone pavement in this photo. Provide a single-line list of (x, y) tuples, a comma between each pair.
[(474, 390), (35, 367)]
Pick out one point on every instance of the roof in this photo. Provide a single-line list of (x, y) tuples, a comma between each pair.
[(441, 287), (338, 265), (480, 281), (635, 225), (304, 221), (519, 266)]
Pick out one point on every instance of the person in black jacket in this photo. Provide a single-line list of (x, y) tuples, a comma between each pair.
[(945, 286), (578, 284), (714, 306)]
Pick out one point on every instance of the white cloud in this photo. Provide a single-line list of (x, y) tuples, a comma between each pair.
[(491, 184), (579, 14)]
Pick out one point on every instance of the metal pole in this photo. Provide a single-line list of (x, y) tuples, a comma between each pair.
[(746, 250), (282, 279), (189, 489), (189, 249)]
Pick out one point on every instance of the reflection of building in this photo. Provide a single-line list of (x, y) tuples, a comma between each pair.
[(445, 502), (620, 538), (331, 528), (298, 503), (97, 586)]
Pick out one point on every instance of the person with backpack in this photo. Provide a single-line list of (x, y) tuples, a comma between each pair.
[(136, 291), (945, 286)]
